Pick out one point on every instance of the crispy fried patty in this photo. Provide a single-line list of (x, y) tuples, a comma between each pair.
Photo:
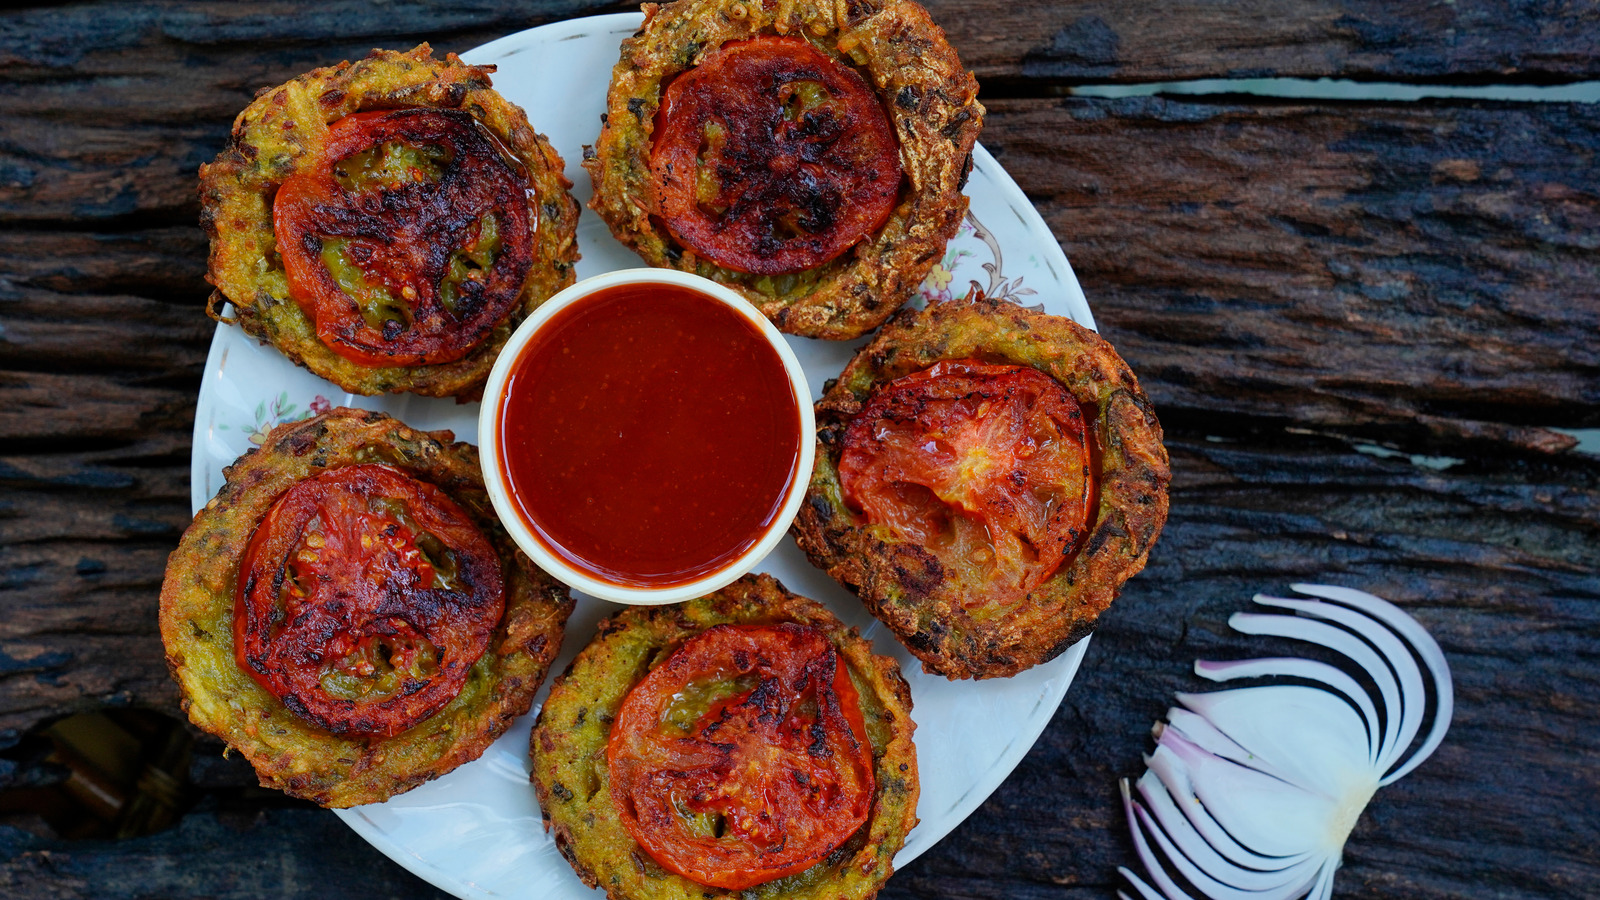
[(569, 742), (911, 590), (288, 752), (931, 102), (286, 127)]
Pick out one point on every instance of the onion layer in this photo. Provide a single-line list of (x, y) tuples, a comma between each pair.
[(1251, 793)]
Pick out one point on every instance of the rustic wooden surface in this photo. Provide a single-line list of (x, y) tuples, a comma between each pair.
[(1359, 322)]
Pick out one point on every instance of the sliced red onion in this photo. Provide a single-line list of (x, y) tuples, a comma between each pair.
[(1251, 793)]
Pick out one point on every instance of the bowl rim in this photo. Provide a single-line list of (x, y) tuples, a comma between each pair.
[(498, 481)]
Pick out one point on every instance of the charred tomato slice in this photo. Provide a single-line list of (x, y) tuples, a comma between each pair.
[(771, 157), (365, 597), (743, 757), (987, 466), (408, 238)]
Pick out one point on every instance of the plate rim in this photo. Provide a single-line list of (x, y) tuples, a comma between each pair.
[(1077, 308)]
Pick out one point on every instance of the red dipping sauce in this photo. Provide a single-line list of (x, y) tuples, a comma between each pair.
[(649, 435)]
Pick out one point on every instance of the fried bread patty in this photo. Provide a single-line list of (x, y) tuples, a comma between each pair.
[(932, 105), (569, 745), (920, 596), (289, 752), (284, 131)]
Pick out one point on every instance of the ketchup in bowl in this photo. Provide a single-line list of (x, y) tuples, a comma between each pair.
[(648, 435)]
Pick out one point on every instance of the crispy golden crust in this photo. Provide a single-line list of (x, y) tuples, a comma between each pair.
[(288, 124), (909, 589), (289, 753), (932, 104), (569, 749)]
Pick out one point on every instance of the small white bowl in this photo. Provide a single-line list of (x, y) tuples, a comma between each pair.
[(499, 482)]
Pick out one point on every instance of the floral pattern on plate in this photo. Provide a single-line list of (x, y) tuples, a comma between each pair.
[(973, 242), (281, 411)]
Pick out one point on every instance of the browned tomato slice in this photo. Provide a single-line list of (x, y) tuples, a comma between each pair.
[(743, 757), (365, 597), (770, 157), (987, 466), (408, 239)]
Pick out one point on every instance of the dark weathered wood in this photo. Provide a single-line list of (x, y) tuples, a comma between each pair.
[(112, 109), (1421, 273), (103, 332), (49, 408), (220, 853), (167, 264), (1090, 41), (1291, 282), (1472, 41), (84, 540)]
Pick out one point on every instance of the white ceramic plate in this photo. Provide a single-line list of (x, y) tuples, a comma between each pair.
[(476, 832)]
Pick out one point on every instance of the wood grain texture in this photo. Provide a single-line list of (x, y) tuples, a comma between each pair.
[(219, 853), (1463, 41), (1295, 284), (114, 106), (1420, 274), (1466, 41)]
